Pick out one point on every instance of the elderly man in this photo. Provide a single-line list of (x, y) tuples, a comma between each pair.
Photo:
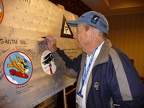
[(106, 76)]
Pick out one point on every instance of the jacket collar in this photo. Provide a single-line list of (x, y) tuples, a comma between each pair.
[(104, 52)]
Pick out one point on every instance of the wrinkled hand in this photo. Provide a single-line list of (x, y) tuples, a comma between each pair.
[(51, 43)]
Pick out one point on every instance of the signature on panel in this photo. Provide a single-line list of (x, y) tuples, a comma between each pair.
[(28, 1)]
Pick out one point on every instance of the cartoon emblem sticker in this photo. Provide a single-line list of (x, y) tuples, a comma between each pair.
[(1, 11), (47, 62), (17, 68)]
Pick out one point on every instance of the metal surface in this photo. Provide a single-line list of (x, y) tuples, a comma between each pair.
[(23, 25)]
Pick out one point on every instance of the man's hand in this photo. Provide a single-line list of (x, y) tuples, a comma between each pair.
[(51, 43)]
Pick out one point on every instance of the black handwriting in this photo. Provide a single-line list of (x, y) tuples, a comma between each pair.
[(3, 97)]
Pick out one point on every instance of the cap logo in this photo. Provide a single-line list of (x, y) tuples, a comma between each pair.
[(94, 19)]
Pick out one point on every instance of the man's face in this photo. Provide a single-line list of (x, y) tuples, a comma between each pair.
[(82, 36)]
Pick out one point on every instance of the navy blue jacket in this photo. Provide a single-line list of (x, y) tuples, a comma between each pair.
[(113, 82)]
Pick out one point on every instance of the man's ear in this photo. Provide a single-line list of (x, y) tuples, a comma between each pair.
[(93, 32)]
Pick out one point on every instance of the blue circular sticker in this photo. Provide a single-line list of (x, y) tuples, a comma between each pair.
[(17, 68)]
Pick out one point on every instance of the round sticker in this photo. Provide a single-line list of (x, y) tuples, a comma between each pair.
[(47, 62), (1, 11), (17, 68)]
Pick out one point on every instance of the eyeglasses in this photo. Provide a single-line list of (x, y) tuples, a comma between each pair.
[(79, 29)]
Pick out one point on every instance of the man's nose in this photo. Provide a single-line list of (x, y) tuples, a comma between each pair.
[(75, 35)]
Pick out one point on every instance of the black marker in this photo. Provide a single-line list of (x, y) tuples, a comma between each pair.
[(43, 37), (46, 37)]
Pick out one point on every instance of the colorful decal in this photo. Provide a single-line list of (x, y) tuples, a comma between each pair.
[(1, 11), (66, 31), (47, 62), (17, 68)]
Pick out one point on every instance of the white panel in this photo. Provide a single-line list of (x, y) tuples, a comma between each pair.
[(23, 25)]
